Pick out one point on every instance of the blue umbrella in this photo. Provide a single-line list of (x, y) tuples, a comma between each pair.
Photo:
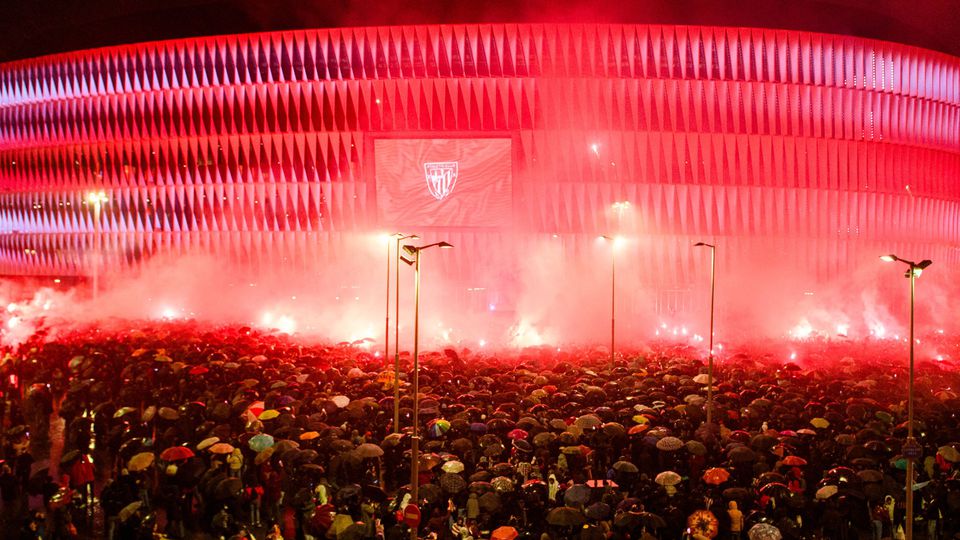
[(260, 442)]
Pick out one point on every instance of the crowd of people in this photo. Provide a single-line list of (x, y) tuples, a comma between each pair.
[(174, 431)]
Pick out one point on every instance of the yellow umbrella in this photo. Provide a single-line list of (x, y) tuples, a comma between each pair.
[(820, 423), (140, 461), (207, 443), (268, 414), (309, 436)]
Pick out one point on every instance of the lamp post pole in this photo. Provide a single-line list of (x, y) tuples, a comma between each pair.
[(911, 449), (713, 289), (415, 438), (613, 301), (613, 296), (396, 337), (911, 442), (386, 331), (97, 198)]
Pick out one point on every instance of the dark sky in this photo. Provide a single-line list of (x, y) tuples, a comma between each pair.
[(36, 27)]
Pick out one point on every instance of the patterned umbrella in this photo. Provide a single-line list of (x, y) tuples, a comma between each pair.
[(668, 478), (452, 483), (502, 484), (437, 427), (669, 444), (764, 531), (704, 523)]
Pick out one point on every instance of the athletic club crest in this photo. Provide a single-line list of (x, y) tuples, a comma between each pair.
[(441, 178)]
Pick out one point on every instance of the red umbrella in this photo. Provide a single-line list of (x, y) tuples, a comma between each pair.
[(176, 453), (716, 476), (518, 434)]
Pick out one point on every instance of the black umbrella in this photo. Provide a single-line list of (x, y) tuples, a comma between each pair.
[(598, 511), (228, 488), (566, 516)]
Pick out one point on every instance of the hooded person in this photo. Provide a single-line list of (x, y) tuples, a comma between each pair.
[(552, 487), (473, 507), (736, 520)]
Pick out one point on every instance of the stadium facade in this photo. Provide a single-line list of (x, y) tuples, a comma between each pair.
[(275, 148)]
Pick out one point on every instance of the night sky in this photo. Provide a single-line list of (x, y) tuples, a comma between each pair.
[(31, 28)]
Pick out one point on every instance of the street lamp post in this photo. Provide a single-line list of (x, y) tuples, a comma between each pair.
[(613, 296), (414, 252), (396, 328), (97, 198), (911, 449), (713, 283)]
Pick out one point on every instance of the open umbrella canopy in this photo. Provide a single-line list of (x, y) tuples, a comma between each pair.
[(565, 516), (502, 484), (176, 453), (489, 502), (129, 510), (598, 511), (268, 414), (264, 455), (669, 444), (826, 492), (577, 495), (588, 421), (221, 448), (452, 483), (140, 461), (504, 533), (518, 434), (437, 427), (949, 453), (369, 450), (764, 531), (716, 476), (452, 467), (260, 442), (794, 461), (635, 521), (667, 478), (208, 442)]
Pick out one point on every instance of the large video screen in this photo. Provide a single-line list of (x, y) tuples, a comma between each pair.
[(443, 182)]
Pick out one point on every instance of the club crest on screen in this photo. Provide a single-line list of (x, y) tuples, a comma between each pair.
[(441, 177)]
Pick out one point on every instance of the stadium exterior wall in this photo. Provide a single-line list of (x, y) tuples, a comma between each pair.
[(822, 149)]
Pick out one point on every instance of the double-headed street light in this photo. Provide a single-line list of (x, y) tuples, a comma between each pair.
[(411, 256), (97, 199), (713, 283), (396, 332), (911, 449)]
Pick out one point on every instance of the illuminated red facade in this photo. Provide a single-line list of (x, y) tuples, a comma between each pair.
[(826, 149)]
